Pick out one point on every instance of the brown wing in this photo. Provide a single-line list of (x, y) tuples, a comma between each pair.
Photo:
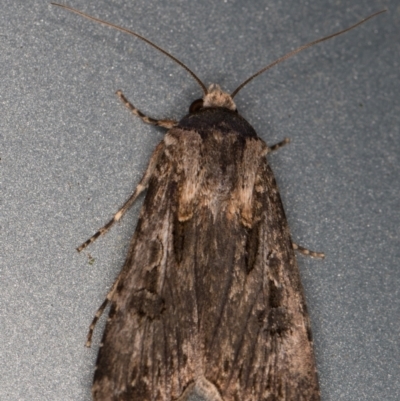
[(209, 299), (258, 343), (149, 342)]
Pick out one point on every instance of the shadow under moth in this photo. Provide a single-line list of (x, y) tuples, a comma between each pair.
[(209, 302)]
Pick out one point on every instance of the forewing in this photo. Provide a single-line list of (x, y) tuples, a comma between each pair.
[(148, 338), (257, 337)]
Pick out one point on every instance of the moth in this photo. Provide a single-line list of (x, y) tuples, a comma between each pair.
[(209, 302)]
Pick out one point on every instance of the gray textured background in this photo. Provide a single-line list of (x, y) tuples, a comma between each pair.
[(71, 155)]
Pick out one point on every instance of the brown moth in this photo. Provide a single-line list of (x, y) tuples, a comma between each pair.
[(209, 302)]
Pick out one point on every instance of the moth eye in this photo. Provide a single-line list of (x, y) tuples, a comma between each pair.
[(196, 106)]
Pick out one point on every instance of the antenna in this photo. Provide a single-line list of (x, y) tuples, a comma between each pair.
[(203, 87), (299, 49)]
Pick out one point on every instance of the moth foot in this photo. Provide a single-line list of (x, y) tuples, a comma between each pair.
[(307, 252), (148, 120)]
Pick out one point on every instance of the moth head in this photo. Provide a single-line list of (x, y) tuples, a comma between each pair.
[(215, 97)]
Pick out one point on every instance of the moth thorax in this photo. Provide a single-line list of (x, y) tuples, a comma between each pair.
[(215, 97)]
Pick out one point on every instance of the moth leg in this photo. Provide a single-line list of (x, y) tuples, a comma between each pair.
[(307, 252), (139, 189), (148, 120), (100, 311), (278, 145)]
